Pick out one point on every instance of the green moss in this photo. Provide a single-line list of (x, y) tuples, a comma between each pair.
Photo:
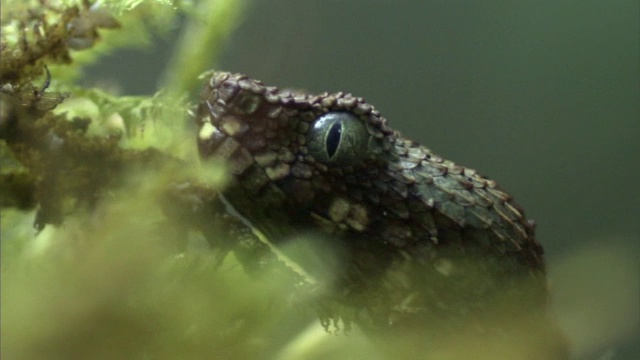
[(58, 131)]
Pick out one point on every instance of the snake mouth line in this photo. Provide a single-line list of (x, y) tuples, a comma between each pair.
[(263, 238)]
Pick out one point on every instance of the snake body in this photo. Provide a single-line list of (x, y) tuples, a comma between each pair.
[(426, 233)]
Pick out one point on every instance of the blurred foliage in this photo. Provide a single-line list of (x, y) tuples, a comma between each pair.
[(109, 284)]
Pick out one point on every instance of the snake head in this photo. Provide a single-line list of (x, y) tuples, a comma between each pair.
[(297, 158), (329, 164)]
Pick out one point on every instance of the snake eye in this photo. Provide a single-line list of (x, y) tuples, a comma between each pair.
[(338, 137)]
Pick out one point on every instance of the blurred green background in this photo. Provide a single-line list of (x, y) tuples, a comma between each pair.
[(543, 96)]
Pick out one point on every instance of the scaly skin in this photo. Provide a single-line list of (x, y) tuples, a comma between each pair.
[(427, 237)]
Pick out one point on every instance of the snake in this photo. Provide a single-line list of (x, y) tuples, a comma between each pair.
[(411, 234)]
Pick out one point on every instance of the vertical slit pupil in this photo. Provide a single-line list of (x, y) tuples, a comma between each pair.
[(333, 138)]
